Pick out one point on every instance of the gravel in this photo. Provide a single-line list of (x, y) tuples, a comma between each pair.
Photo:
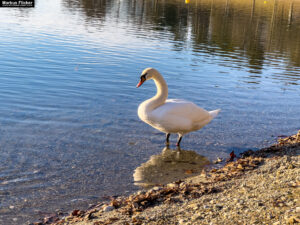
[(261, 187)]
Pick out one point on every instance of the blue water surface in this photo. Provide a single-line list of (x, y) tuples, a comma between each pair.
[(69, 132)]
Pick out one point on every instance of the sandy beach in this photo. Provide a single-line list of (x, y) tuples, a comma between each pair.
[(258, 187)]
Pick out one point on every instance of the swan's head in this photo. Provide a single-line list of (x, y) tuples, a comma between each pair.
[(147, 74)]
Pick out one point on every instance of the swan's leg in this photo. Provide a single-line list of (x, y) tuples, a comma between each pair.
[(179, 140), (167, 138)]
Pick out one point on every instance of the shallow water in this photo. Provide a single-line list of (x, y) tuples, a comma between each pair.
[(169, 166), (68, 123)]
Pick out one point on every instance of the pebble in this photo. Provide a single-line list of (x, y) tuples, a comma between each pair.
[(141, 192), (291, 166), (194, 206), (218, 160), (260, 204), (172, 185), (157, 188), (182, 221), (108, 208), (218, 207)]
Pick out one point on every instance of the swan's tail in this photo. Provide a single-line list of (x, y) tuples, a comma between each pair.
[(214, 113)]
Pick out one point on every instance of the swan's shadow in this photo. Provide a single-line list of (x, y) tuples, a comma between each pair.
[(169, 166)]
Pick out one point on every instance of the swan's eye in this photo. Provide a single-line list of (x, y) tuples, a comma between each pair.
[(144, 76)]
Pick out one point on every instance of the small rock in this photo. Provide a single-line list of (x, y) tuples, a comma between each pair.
[(218, 207), (218, 160), (141, 192), (240, 167), (283, 198), (260, 204), (182, 221), (182, 185), (298, 210), (244, 185), (108, 208), (203, 173), (291, 166), (157, 188), (69, 218), (194, 206), (90, 216), (172, 185)]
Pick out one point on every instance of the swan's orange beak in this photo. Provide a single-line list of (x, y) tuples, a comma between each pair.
[(141, 82)]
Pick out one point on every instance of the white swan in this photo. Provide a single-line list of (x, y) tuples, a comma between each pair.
[(172, 115)]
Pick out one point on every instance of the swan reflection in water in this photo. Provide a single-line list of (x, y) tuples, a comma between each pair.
[(169, 166)]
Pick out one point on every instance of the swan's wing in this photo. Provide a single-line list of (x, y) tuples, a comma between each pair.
[(182, 108), (178, 114)]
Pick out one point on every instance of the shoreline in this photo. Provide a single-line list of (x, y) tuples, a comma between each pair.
[(260, 187)]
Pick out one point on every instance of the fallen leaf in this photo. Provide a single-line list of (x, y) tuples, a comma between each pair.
[(189, 171), (76, 212), (232, 156)]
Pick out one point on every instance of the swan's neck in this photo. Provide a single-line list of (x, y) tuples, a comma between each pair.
[(161, 94)]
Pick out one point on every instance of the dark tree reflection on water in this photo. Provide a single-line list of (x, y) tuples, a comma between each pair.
[(93, 9), (250, 29)]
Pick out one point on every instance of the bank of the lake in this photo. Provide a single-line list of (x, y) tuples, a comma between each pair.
[(261, 187)]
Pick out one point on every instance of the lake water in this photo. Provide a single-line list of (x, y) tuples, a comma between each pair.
[(69, 132)]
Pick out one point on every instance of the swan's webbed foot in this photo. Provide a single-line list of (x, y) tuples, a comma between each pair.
[(179, 140), (167, 139)]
